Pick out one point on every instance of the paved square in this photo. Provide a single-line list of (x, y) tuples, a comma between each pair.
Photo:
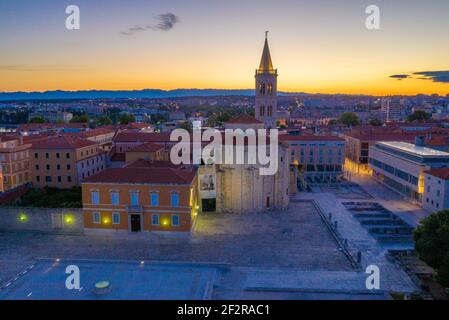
[(128, 280), (294, 238)]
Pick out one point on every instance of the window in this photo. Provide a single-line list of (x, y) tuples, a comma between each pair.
[(48, 167), (68, 167), (57, 155), (155, 219), (59, 179), (48, 179), (36, 155), (95, 197), (67, 155), (37, 167), (175, 220), (154, 199), (47, 155), (38, 178), (96, 217), (115, 198), (58, 167), (174, 199), (69, 179), (116, 218), (134, 199)]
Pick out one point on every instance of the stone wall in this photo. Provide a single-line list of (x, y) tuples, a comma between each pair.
[(48, 220)]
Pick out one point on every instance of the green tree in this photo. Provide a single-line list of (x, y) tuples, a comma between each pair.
[(432, 243), (126, 118), (37, 120), (83, 118), (375, 122), (104, 120), (349, 119), (418, 115)]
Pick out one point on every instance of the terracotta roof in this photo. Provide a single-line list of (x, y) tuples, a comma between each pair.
[(141, 137), (146, 147), (286, 137), (141, 175), (442, 173), (437, 140), (142, 163), (90, 133), (61, 142), (244, 119)]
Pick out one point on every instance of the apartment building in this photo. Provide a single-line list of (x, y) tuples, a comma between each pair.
[(436, 189), (141, 197), (401, 166), (14, 162), (64, 162), (359, 141), (318, 158)]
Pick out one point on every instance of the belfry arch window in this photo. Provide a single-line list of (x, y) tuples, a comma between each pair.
[(270, 89), (262, 88), (262, 111)]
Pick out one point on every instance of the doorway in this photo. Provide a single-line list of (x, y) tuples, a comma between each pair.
[(135, 223)]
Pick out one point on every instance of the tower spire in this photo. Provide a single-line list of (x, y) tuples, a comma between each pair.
[(266, 65)]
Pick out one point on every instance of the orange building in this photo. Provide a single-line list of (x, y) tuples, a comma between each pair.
[(148, 151), (143, 196), (15, 162), (63, 162)]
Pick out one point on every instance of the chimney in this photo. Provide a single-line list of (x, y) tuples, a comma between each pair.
[(419, 141)]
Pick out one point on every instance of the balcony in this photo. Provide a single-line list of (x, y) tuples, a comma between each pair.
[(135, 209)]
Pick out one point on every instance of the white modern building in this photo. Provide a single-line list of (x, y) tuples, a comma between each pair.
[(401, 166), (391, 109), (436, 189)]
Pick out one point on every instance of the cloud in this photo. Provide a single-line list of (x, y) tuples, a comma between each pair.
[(165, 22), (435, 76), (400, 76)]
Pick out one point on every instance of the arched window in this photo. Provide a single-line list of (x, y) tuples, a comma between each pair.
[(270, 89), (262, 88)]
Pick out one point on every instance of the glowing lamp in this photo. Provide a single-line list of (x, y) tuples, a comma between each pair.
[(164, 222), (68, 219), (23, 217), (106, 220)]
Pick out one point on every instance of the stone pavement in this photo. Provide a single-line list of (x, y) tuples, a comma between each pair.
[(373, 252)]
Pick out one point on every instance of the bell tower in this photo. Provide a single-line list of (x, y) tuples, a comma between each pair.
[(266, 89)]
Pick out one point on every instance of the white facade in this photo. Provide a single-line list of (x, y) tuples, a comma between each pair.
[(436, 192)]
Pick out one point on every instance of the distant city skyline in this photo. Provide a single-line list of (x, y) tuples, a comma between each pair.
[(317, 46)]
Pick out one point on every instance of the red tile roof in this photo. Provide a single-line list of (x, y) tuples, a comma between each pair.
[(141, 137), (442, 173), (244, 119), (142, 163), (90, 133), (142, 175), (146, 147), (437, 140), (61, 142), (286, 137)]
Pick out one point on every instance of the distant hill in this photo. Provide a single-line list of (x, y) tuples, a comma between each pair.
[(130, 94)]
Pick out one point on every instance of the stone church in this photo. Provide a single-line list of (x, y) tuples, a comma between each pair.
[(240, 188)]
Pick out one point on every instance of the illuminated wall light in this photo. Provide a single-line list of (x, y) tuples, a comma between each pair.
[(106, 220), (165, 222), (23, 217), (68, 219)]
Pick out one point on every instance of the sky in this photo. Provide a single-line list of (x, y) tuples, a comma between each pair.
[(319, 46)]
